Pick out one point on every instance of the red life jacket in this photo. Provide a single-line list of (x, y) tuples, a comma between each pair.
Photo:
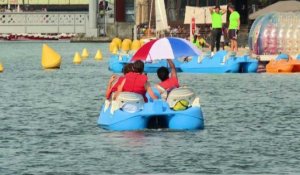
[(115, 87), (169, 83), (135, 82)]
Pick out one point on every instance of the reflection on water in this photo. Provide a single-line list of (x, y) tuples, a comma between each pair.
[(48, 121)]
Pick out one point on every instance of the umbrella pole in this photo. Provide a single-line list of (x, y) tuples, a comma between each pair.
[(150, 16)]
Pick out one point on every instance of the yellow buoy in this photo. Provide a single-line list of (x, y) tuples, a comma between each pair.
[(128, 41), (84, 53), (50, 58), (136, 44), (115, 50), (1, 68), (77, 58), (98, 55), (112, 46), (125, 46), (142, 42), (117, 41)]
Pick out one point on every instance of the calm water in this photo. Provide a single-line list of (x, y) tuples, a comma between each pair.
[(48, 122)]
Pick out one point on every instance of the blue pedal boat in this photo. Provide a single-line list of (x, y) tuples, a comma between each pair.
[(151, 115), (116, 63), (221, 62), (247, 64)]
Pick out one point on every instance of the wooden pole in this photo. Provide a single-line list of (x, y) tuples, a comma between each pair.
[(150, 16)]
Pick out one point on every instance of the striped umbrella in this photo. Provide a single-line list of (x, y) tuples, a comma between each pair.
[(165, 48)]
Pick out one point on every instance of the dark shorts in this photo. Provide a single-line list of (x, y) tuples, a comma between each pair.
[(233, 34)]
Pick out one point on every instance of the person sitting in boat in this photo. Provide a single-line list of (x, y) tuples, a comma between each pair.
[(137, 82), (167, 82), (200, 42), (115, 81)]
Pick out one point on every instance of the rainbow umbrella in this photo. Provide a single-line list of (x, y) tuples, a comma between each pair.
[(165, 48)]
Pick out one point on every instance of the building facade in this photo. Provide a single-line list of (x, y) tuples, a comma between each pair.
[(135, 10), (120, 16), (175, 9)]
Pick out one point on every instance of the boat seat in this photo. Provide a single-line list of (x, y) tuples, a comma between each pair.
[(123, 57), (282, 56), (183, 96), (130, 102), (229, 55), (204, 55)]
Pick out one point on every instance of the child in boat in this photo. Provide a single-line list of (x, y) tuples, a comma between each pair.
[(115, 81), (167, 82), (136, 82)]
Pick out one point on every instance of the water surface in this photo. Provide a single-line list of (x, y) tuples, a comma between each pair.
[(48, 121)]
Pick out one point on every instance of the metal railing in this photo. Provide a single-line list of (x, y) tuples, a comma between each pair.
[(43, 22)]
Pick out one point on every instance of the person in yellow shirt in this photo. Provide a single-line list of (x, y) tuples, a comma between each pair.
[(234, 27), (200, 42), (216, 32)]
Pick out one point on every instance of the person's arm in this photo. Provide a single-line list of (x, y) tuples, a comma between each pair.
[(211, 10), (207, 45), (223, 11), (110, 85), (173, 68), (119, 89), (150, 91), (239, 22)]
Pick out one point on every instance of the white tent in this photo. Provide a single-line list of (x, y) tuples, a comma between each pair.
[(280, 6)]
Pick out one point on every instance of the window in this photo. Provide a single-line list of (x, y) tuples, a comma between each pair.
[(181, 11), (129, 11)]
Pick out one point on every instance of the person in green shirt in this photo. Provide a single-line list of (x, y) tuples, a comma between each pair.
[(200, 42), (216, 32), (234, 27)]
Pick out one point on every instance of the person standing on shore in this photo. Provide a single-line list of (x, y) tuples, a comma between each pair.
[(216, 18), (234, 27)]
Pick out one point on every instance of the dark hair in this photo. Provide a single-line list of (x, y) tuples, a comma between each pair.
[(128, 68), (217, 7), (231, 6), (163, 73), (138, 66)]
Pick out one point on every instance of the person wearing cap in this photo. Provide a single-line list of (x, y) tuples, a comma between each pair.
[(234, 26), (216, 18)]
